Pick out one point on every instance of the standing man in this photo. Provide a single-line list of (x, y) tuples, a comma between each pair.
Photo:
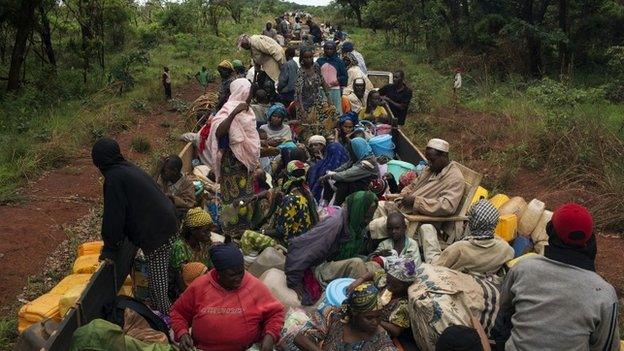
[(266, 53), (166, 81), (202, 78), (269, 31), (135, 208), (398, 96), (287, 78), (557, 301)]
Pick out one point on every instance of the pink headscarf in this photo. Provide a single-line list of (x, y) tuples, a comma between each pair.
[(244, 139)]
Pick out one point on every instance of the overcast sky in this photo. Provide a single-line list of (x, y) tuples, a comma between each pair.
[(312, 2)]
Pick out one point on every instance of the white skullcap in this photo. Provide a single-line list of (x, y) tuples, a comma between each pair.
[(359, 81), (438, 144), (317, 139)]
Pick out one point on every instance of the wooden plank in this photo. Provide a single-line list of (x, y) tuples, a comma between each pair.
[(186, 155), (405, 149)]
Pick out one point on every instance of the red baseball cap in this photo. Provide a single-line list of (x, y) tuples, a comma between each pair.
[(573, 224)]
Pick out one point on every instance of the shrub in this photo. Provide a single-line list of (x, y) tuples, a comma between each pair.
[(141, 144)]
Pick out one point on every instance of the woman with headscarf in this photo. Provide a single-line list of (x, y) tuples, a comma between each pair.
[(233, 151), (334, 73), (356, 325), (354, 72), (135, 208), (227, 308), (190, 247), (292, 212), (277, 132), (334, 157), (351, 178), (376, 111), (346, 125), (316, 149), (393, 279), (325, 251), (312, 97), (480, 251)]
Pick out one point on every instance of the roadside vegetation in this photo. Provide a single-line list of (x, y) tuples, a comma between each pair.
[(556, 113)]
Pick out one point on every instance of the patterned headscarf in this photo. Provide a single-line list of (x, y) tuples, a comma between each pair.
[(482, 220), (402, 268), (197, 217), (350, 60), (291, 169), (192, 271), (364, 298)]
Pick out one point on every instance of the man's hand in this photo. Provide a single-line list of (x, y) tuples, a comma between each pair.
[(186, 343), (267, 343)]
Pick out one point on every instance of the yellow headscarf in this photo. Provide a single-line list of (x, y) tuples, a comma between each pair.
[(226, 64), (196, 217)]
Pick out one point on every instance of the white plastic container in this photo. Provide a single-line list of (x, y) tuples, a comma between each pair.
[(539, 235), (530, 217), (515, 206)]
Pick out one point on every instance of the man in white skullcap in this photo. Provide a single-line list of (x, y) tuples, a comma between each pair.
[(437, 192)]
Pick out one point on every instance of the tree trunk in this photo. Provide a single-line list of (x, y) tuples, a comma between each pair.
[(563, 25), (46, 36), (358, 15), (18, 56)]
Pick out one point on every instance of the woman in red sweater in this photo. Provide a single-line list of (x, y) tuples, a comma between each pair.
[(228, 309)]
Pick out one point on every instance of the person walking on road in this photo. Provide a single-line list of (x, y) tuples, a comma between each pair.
[(166, 81)]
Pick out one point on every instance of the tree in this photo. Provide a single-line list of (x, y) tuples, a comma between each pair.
[(23, 15), (45, 31), (356, 6)]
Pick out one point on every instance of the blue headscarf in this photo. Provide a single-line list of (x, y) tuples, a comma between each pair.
[(349, 116), (335, 156), (361, 149), (276, 107)]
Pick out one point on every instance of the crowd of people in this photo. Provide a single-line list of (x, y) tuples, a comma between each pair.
[(284, 162)]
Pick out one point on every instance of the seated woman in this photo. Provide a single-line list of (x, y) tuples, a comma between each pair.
[(346, 125), (481, 252), (292, 212), (191, 246), (354, 326), (276, 131), (178, 187), (334, 157), (376, 110), (328, 250), (227, 308), (351, 178), (393, 279), (316, 149)]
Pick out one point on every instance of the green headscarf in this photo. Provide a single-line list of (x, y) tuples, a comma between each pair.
[(357, 205), (364, 298)]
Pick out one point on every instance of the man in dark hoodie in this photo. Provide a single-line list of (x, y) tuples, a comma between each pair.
[(134, 207)]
